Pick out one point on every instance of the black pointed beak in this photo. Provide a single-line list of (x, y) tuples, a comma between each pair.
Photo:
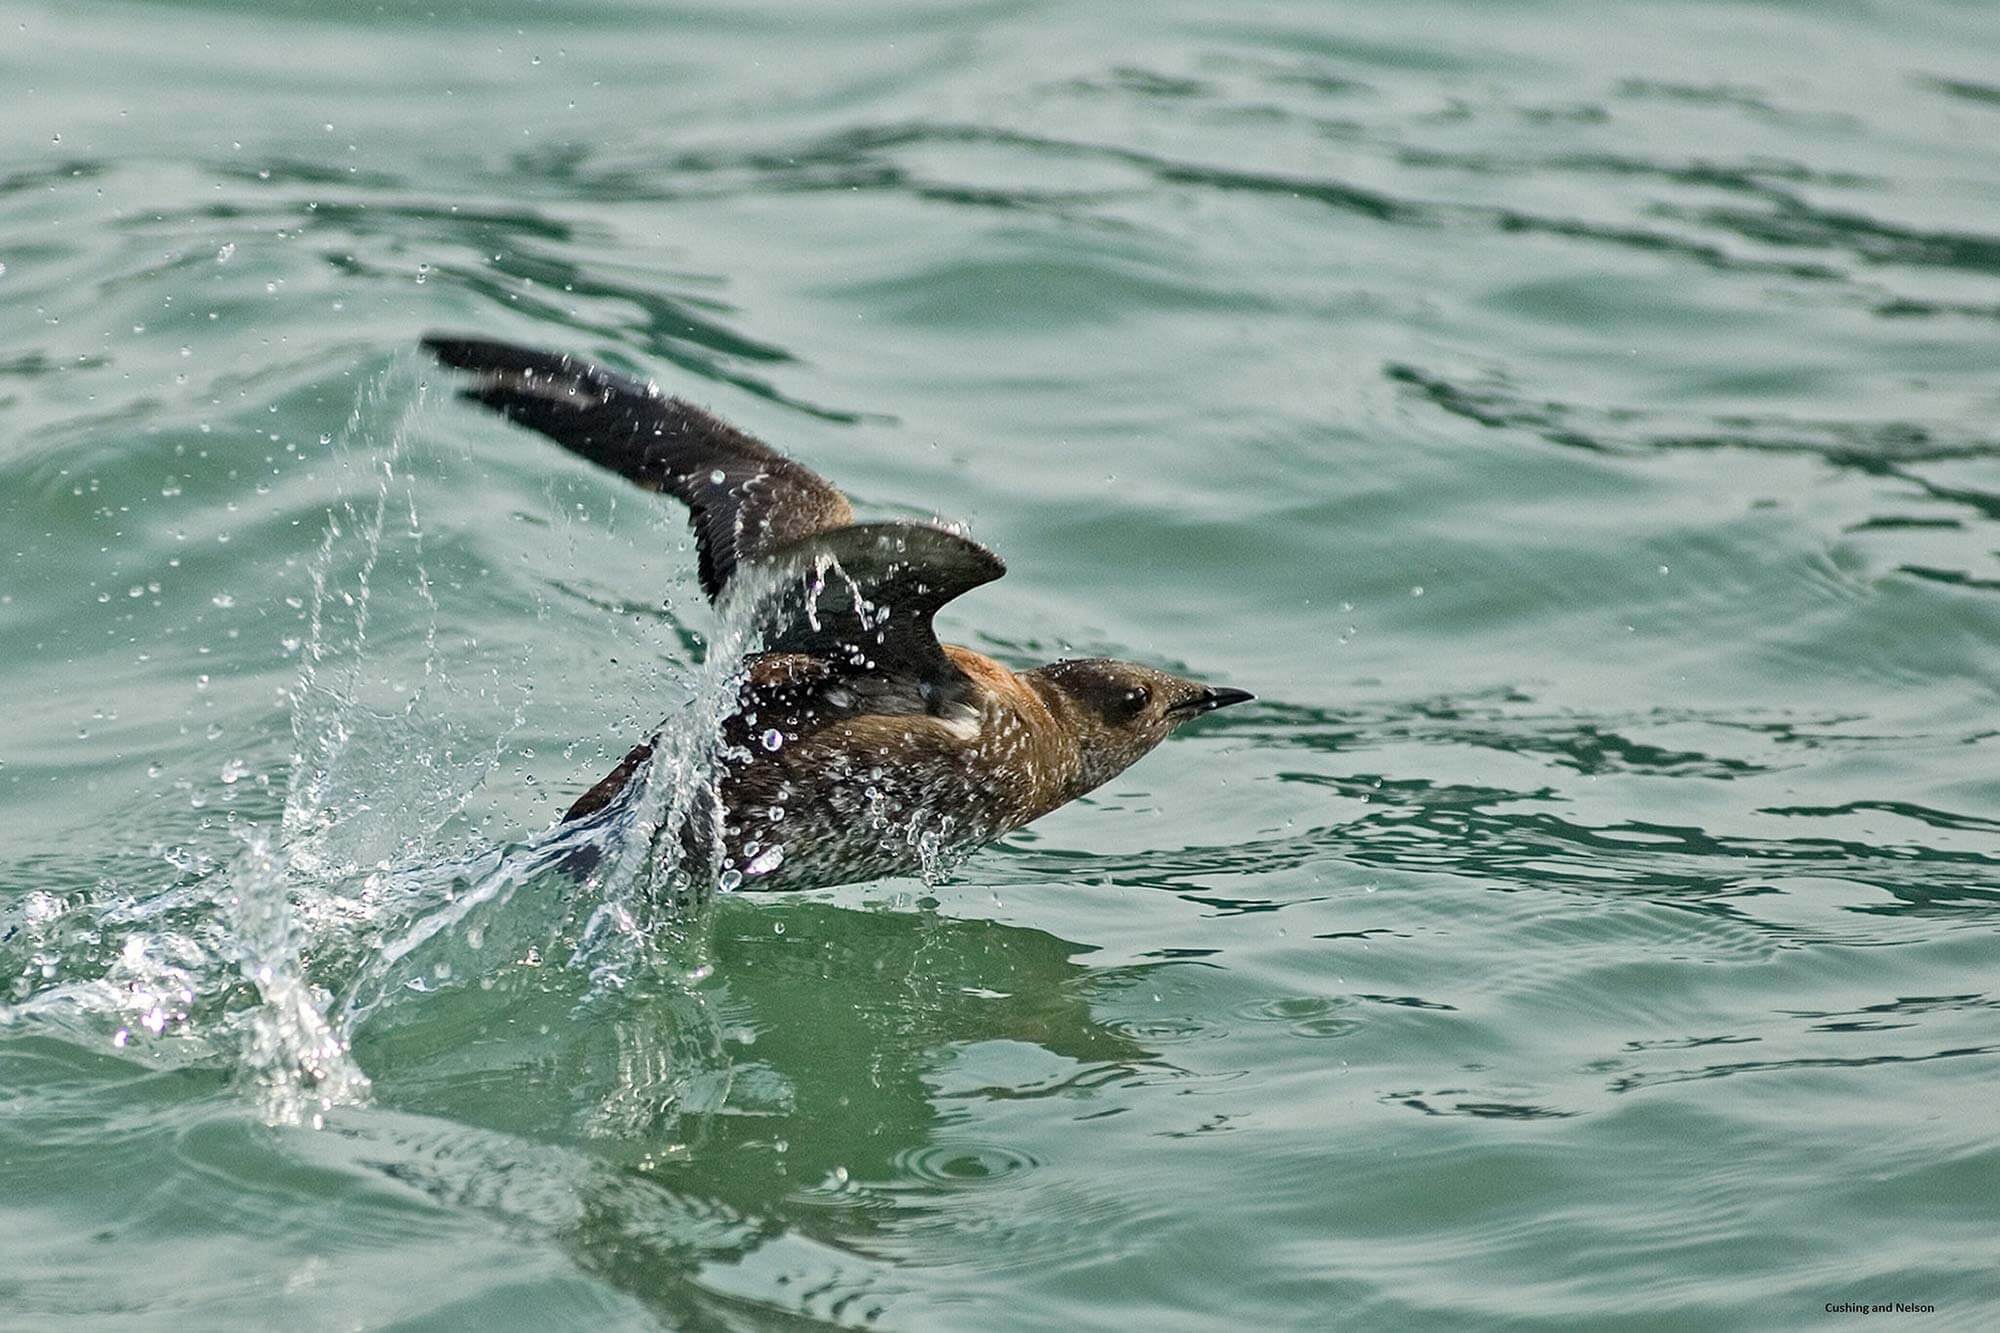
[(1213, 697)]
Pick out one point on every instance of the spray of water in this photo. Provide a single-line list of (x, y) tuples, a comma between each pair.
[(350, 909), (299, 1062)]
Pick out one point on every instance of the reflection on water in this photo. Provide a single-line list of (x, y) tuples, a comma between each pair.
[(837, 1137), (812, 1114)]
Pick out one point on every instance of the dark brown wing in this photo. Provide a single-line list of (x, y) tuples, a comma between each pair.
[(607, 788), (859, 597), (745, 497)]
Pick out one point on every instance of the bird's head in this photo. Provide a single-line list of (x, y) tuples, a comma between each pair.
[(1120, 710)]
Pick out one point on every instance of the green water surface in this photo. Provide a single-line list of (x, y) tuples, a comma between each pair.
[(1578, 423)]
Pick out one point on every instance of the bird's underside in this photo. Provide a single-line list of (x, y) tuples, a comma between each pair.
[(860, 745)]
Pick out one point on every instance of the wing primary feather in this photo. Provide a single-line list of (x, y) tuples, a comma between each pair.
[(857, 598), (744, 497)]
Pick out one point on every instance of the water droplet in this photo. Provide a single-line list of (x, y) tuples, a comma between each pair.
[(224, 255), (773, 738), (234, 772), (767, 861)]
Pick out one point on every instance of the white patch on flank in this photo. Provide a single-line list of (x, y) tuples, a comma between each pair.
[(964, 725)]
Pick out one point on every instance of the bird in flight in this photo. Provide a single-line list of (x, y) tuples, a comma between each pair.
[(859, 746)]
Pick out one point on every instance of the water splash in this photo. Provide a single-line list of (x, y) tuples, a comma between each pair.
[(351, 905), (364, 724), (299, 1061)]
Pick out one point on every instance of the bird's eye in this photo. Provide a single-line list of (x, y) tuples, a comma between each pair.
[(1134, 700)]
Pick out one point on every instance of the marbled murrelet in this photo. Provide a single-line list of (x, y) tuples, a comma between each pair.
[(859, 744)]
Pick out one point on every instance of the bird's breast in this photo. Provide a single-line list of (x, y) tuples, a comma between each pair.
[(879, 794)]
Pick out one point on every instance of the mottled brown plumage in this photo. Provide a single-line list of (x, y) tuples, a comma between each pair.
[(860, 746)]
